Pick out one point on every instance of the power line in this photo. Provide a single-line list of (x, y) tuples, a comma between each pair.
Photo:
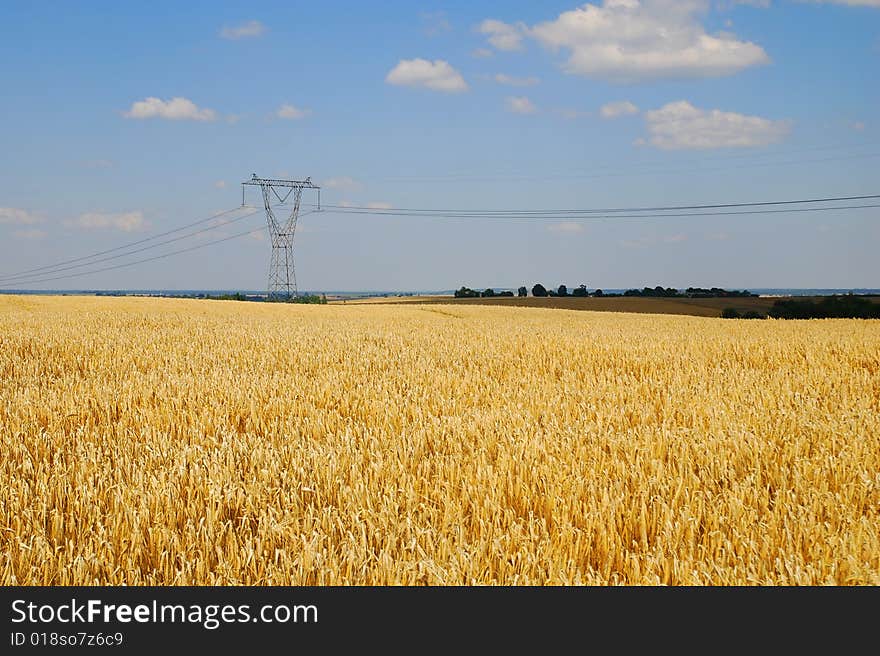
[(147, 259), (606, 210), (58, 269), (556, 217), (118, 248), (670, 211)]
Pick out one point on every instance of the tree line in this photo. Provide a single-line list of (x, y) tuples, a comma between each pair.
[(539, 290), (837, 306)]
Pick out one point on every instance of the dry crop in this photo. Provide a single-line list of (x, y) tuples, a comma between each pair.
[(168, 441)]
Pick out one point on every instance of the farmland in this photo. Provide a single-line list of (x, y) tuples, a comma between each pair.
[(698, 307), (178, 442)]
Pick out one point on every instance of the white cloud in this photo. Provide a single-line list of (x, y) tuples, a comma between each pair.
[(859, 126), (620, 108), (481, 52), (250, 29), (567, 227), (220, 184), (176, 109), (680, 125), (628, 40), (512, 81), (291, 112), (343, 183), (30, 234), (17, 216), (503, 36), (520, 105), (124, 222), (437, 75)]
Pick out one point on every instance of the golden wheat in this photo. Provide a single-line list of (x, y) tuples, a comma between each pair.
[(171, 442)]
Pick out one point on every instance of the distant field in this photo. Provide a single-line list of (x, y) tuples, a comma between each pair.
[(701, 307), (185, 442)]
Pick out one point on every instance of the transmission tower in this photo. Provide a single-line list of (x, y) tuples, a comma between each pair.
[(282, 276)]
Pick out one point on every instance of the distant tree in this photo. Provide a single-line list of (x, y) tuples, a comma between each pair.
[(488, 293), (830, 307), (581, 290), (562, 291), (539, 290), (730, 313), (522, 291), (598, 292), (466, 292), (506, 292)]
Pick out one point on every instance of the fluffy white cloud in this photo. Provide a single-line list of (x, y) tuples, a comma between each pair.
[(503, 36), (17, 216), (629, 40), (250, 29), (437, 75), (176, 109), (377, 205), (292, 113), (680, 125), (512, 81), (520, 105), (620, 108), (125, 222)]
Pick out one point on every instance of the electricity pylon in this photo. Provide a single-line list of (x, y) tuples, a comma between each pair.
[(282, 275)]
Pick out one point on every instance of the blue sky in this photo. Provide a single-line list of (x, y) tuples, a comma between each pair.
[(125, 120)]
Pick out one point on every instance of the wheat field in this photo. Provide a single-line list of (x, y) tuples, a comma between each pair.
[(192, 442)]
